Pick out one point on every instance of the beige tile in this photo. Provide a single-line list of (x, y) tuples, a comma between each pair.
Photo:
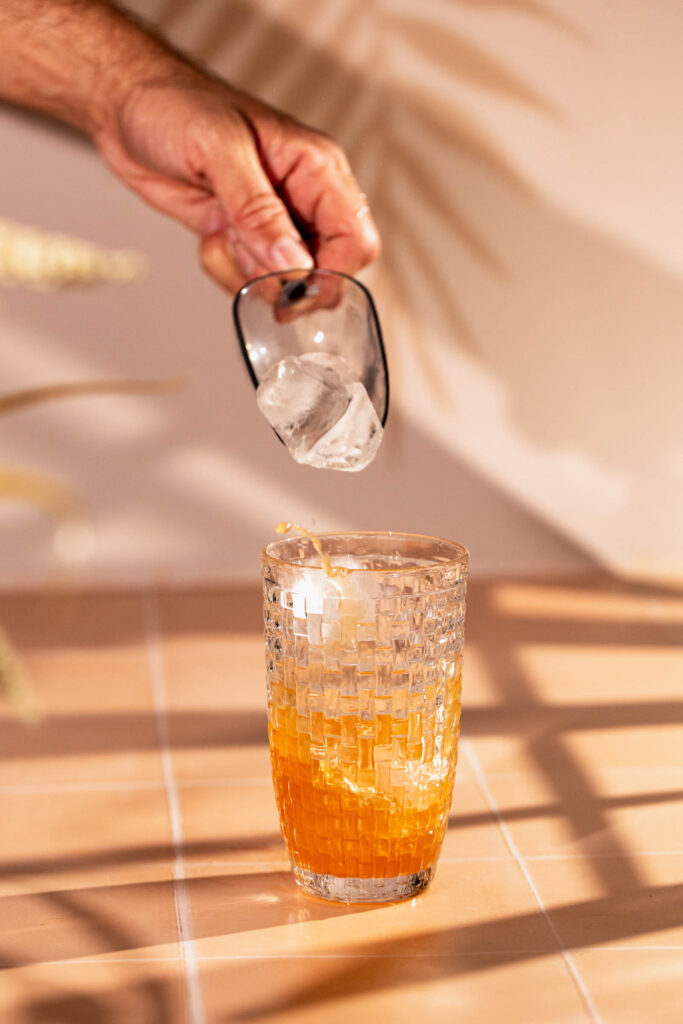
[(215, 674), (470, 907), (584, 681), (563, 684), (232, 823), (599, 600), (592, 812), (441, 990), (213, 650), (212, 611), (614, 901), (218, 759), (81, 747), (586, 670), (91, 993), (67, 831), (608, 748), (654, 746), (127, 914), (71, 620), (602, 706), (221, 743), (85, 874), (215, 683), (472, 830), (598, 603), (634, 986), (90, 674)]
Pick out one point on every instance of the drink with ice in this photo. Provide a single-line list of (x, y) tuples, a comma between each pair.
[(364, 675)]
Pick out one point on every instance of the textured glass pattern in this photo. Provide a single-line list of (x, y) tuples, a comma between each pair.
[(364, 708)]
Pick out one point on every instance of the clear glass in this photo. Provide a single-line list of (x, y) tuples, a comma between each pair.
[(364, 677), (296, 312)]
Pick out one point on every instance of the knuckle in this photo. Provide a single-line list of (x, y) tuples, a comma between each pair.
[(257, 212), (324, 154)]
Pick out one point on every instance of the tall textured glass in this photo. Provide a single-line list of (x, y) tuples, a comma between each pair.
[(364, 707)]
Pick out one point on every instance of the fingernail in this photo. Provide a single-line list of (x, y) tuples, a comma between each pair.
[(288, 254)]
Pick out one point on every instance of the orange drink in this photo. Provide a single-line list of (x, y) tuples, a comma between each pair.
[(364, 676)]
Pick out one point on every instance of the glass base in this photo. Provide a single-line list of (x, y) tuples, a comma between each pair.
[(362, 890)]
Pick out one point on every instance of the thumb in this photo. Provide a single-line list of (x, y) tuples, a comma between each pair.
[(259, 230)]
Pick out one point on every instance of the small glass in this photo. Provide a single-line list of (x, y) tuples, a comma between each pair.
[(364, 677), (298, 312)]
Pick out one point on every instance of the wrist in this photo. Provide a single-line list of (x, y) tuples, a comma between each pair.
[(132, 59), (77, 59)]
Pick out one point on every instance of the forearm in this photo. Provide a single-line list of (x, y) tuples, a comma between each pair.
[(77, 59), (240, 174)]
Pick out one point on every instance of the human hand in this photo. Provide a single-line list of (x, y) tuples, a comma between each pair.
[(264, 192)]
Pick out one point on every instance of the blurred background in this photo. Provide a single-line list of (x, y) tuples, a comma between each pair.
[(524, 166)]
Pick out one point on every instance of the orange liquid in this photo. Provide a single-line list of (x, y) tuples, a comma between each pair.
[(365, 797)]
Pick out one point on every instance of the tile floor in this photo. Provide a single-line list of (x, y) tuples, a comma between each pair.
[(143, 878)]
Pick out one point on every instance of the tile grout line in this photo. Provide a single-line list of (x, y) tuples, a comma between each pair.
[(193, 993), (569, 961), (228, 957), (125, 786)]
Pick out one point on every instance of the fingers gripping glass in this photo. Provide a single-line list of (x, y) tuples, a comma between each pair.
[(299, 312)]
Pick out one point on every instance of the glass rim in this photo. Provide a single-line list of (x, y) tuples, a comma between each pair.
[(302, 272), (461, 553)]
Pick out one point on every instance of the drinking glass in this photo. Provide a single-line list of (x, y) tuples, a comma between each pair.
[(364, 677)]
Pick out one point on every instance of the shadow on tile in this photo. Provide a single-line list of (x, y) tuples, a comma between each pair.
[(97, 920), (550, 810), (537, 710), (94, 993), (612, 919), (114, 732), (142, 854), (71, 617)]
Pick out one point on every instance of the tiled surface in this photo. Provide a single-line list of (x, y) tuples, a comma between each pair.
[(143, 878), (441, 990)]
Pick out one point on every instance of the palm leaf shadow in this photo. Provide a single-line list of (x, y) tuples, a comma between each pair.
[(537, 10), (453, 54), (433, 193), (412, 99), (420, 108), (417, 273)]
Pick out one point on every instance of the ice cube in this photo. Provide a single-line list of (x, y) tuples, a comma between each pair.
[(330, 361), (351, 443), (302, 401)]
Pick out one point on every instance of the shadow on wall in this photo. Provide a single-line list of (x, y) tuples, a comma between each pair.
[(525, 292), (531, 294)]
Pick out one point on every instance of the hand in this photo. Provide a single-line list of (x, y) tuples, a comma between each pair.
[(264, 192)]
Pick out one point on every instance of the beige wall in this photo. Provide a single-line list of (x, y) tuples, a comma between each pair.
[(524, 159)]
